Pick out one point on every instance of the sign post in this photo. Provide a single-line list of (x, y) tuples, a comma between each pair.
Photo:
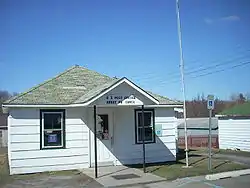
[(210, 107), (95, 141), (143, 138)]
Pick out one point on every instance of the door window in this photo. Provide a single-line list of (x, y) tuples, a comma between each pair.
[(104, 132)]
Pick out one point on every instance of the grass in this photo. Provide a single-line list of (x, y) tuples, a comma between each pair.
[(240, 109), (202, 151), (199, 165), (234, 152), (6, 178)]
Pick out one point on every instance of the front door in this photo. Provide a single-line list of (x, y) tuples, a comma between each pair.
[(104, 138)]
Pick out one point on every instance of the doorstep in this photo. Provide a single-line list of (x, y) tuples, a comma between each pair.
[(112, 176)]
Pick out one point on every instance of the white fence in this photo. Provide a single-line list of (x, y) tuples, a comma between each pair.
[(234, 134), (3, 138)]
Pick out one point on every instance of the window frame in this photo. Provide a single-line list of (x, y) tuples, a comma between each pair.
[(137, 111), (63, 135)]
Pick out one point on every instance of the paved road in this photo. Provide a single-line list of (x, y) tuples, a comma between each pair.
[(234, 158), (237, 182)]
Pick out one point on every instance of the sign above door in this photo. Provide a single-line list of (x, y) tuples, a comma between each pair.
[(122, 100)]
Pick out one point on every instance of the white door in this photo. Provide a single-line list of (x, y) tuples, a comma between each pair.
[(104, 138)]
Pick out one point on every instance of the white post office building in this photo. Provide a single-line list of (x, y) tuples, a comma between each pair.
[(51, 126)]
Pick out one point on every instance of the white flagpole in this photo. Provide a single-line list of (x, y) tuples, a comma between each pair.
[(182, 78)]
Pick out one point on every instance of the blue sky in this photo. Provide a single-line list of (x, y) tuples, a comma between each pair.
[(133, 38)]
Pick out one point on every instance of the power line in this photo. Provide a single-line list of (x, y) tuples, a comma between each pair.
[(200, 69), (209, 73), (177, 74), (222, 70), (208, 67)]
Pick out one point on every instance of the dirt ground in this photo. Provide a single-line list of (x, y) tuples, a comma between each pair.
[(62, 179)]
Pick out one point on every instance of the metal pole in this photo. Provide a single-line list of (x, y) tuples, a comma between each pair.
[(210, 141), (95, 141), (143, 138), (182, 78)]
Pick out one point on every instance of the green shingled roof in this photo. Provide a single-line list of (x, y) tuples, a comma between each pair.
[(75, 85), (238, 110)]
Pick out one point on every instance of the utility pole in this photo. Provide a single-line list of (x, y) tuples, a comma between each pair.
[(182, 79)]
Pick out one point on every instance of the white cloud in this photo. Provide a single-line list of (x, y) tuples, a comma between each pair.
[(232, 18)]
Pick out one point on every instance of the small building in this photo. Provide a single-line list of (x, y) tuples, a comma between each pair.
[(234, 128), (51, 126), (3, 130), (198, 132)]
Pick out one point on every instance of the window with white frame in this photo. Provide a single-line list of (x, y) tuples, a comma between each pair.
[(52, 132), (149, 136)]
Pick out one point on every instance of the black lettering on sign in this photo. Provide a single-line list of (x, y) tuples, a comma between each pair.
[(111, 102), (132, 97), (118, 97), (130, 102)]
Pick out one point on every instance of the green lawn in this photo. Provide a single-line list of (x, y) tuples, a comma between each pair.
[(199, 165), (202, 151), (234, 152), (240, 109)]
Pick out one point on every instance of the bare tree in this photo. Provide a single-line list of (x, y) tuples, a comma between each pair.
[(5, 95), (197, 107)]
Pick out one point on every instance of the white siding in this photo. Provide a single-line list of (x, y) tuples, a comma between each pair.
[(234, 134), (24, 151), (127, 151)]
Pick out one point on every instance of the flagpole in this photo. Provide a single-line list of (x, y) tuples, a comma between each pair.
[(182, 79)]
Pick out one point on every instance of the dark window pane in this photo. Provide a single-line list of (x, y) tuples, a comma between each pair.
[(104, 126), (147, 119), (148, 134), (139, 134), (139, 119), (52, 121), (52, 138)]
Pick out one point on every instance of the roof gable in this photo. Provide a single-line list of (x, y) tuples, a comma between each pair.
[(122, 90)]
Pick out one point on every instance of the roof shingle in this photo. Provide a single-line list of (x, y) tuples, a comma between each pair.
[(75, 85)]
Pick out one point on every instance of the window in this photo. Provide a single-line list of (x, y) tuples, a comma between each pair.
[(148, 125), (104, 127), (52, 132)]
